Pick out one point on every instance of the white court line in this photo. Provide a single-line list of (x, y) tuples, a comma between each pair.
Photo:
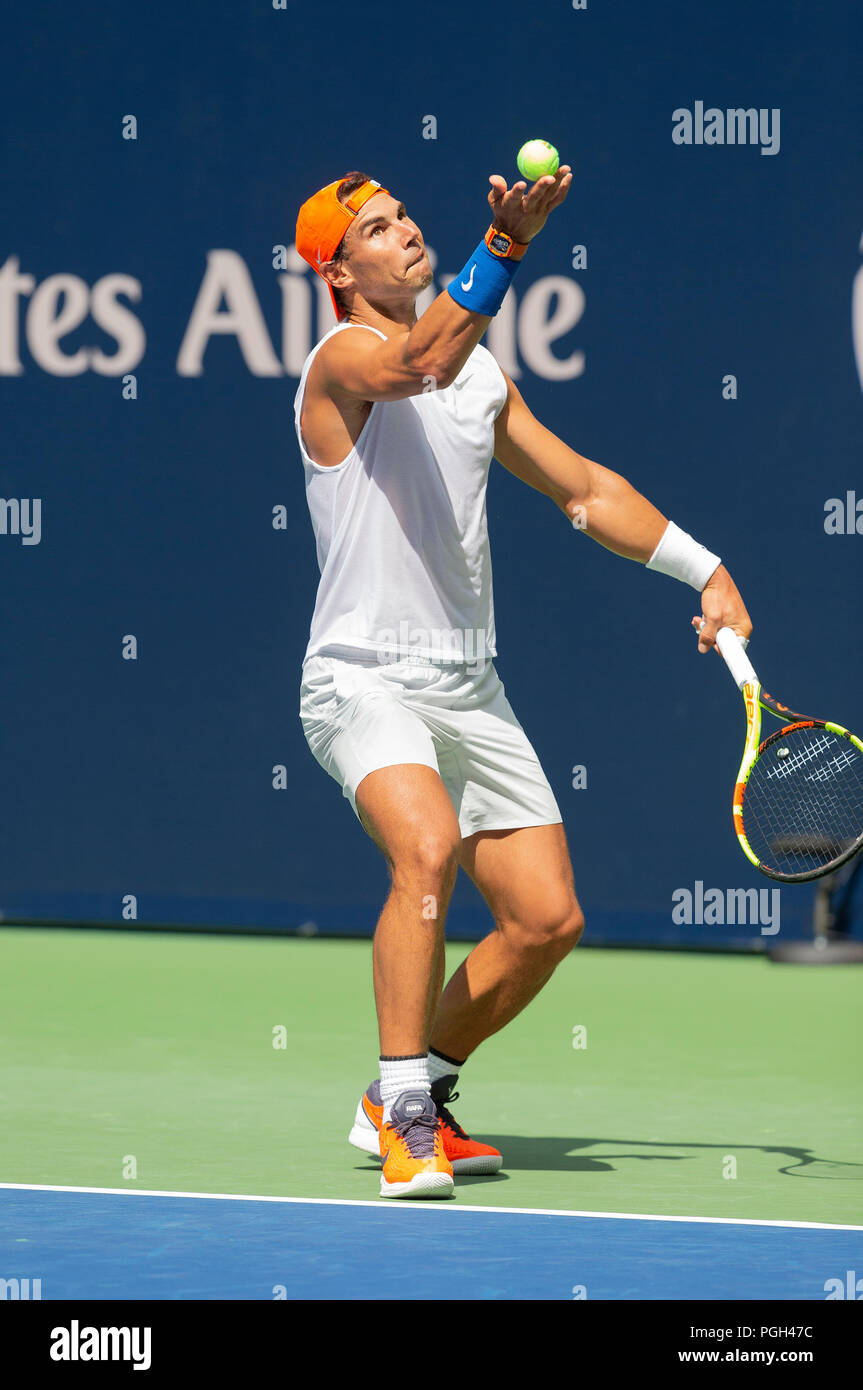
[(383, 1204)]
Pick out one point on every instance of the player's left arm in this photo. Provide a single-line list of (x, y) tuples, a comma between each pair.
[(603, 505)]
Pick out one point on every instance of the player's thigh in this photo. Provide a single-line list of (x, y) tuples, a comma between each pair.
[(363, 731), (526, 878), (407, 811)]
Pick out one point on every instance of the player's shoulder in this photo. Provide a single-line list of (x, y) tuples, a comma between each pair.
[(485, 362), (347, 340), (484, 358), (339, 348)]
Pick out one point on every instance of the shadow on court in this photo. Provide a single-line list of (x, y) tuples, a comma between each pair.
[(553, 1154)]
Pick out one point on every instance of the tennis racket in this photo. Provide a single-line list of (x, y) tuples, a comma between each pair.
[(798, 800)]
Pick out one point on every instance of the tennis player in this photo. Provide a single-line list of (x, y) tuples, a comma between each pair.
[(400, 702)]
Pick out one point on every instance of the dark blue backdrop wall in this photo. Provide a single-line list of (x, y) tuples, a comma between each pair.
[(143, 789)]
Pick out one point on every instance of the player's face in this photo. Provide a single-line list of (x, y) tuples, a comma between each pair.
[(386, 254)]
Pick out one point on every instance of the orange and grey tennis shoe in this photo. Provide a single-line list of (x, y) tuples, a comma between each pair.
[(465, 1154), (411, 1148)]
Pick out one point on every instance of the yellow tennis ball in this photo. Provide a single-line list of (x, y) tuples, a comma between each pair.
[(537, 158)]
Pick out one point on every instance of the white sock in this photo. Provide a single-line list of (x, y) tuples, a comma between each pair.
[(442, 1066), (402, 1074)]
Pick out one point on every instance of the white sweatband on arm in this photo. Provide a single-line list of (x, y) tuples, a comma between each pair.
[(681, 557)]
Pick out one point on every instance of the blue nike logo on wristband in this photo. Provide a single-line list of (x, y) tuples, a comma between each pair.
[(466, 284)]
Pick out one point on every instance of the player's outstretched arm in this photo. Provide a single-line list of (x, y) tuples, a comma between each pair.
[(606, 507), (433, 352)]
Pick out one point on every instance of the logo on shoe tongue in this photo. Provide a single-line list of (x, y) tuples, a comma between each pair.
[(414, 1107)]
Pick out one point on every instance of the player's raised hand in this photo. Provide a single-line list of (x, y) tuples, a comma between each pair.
[(721, 606), (523, 213)]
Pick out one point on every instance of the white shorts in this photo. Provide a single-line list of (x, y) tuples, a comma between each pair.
[(359, 716)]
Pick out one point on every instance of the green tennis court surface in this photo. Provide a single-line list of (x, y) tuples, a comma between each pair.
[(153, 1054)]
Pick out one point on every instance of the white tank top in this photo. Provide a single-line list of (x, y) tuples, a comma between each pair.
[(400, 523)]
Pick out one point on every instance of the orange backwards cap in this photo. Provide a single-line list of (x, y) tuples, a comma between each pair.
[(323, 221)]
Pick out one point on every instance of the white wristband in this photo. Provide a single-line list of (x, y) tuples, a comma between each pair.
[(681, 557)]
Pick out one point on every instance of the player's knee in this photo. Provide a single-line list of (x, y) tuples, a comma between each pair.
[(572, 928), (556, 930), (430, 858), (564, 928)]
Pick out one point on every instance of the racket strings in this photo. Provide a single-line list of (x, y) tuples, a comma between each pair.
[(803, 803), (798, 758)]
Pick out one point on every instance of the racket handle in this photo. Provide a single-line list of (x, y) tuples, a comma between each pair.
[(735, 657)]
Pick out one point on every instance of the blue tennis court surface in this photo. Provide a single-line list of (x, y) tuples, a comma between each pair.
[(136, 1245)]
